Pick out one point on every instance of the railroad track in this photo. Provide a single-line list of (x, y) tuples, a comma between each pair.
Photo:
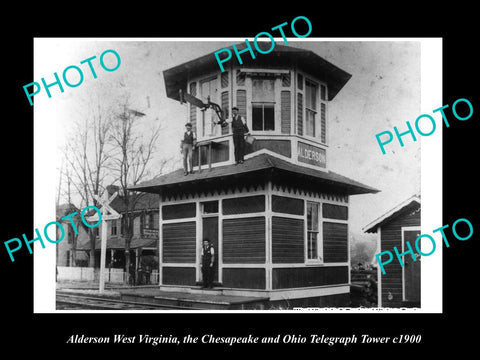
[(83, 302)]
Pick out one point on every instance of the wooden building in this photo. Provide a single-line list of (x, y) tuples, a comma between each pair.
[(399, 286), (279, 221), (74, 251)]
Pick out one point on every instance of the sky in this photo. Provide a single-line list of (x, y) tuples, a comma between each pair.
[(384, 91)]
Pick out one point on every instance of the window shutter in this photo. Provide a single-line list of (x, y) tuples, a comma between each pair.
[(300, 114), (285, 112)]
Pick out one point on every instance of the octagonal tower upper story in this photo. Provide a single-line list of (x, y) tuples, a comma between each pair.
[(284, 97)]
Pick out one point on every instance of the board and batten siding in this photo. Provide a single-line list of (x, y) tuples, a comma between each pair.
[(391, 235), (178, 276)]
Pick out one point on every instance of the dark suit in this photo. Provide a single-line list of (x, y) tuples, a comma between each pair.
[(239, 129)]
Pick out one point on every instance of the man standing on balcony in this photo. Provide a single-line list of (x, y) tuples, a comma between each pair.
[(240, 129), (186, 148)]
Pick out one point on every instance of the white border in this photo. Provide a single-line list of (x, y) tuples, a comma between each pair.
[(45, 154)]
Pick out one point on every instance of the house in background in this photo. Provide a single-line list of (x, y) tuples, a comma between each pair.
[(74, 251), (279, 221), (399, 286)]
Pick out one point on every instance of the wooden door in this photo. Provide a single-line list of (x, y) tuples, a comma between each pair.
[(210, 231)]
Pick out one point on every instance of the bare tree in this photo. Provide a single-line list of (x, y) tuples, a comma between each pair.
[(86, 155), (131, 163)]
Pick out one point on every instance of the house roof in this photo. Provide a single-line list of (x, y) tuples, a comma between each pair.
[(119, 243), (281, 56), (263, 163), (145, 202), (412, 202)]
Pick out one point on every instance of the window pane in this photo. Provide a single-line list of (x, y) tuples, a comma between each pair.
[(257, 117), (263, 117), (323, 92), (263, 90), (269, 117), (311, 95), (210, 207), (312, 216), (310, 123), (312, 245)]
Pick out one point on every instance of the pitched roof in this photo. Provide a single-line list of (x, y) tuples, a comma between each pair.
[(261, 163), (119, 243), (280, 57), (412, 202), (145, 202)]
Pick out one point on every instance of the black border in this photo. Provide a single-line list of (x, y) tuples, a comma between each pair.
[(26, 330)]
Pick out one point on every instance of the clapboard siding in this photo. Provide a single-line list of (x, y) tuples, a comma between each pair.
[(332, 211), (310, 276), (179, 242), (287, 240), (178, 276), (244, 278), (244, 240), (179, 211), (285, 107), (391, 235), (335, 242), (243, 205), (287, 205)]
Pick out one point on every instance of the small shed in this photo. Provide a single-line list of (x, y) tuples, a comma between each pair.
[(399, 286)]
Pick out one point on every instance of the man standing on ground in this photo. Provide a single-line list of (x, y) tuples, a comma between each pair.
[(208, 259)]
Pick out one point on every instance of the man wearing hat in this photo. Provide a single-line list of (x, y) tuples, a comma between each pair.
[(208, 259), (186, 148), (240, 129)]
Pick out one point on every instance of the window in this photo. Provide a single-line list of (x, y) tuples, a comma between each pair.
[(311, 108), (209, 207), (263, 104), (114, 227), (208, 90), (312, 231), (151, 220), (263, 117)]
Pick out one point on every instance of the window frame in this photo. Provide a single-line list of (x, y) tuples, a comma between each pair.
[(312, 110), (256, 104), (318, 259), (321, 100), (114, 228), (202, 128)]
